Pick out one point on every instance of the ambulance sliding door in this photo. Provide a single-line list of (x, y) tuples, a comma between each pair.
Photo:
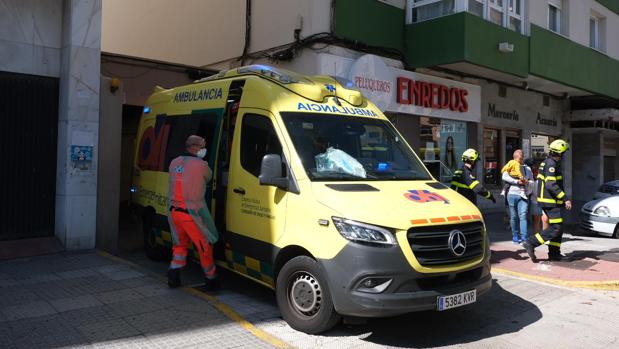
[(255, 214)]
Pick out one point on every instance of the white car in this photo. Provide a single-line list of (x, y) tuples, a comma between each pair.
[(607, 189), (601, 216)]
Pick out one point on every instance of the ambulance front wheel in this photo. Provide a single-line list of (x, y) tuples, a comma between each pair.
[(153, 251), (303, 296)]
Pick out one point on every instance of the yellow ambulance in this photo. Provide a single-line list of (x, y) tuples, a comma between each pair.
[(316, 195)]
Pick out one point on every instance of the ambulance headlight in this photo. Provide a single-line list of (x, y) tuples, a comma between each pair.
[(364, 233)]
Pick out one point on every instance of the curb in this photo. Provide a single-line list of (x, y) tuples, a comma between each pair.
[(223, 308), (609, 285)]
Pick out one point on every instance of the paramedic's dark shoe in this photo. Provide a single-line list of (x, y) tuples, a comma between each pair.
[(530, 251), (174, 278), (211, 285)]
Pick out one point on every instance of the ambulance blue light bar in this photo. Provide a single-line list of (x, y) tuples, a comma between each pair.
[(285, 77)]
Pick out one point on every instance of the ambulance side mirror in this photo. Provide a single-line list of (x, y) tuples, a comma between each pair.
[(271, 172)]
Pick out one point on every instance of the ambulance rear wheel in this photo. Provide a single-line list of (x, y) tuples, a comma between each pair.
[(153, 251), (303, 296)]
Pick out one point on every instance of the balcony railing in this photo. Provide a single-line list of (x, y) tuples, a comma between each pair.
[(506, 13)]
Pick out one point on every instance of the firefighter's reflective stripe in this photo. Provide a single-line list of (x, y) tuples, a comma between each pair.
[(561, 195), (555, 220), (550, 178), (554, 243), (549, 201), (540, 239), (474, 184), (488, 195), (559, 178), (459, 185)]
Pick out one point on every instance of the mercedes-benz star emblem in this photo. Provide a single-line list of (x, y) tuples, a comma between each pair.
[(457, 242)]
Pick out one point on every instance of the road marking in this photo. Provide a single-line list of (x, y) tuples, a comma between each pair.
[(223, 308), (610, 285)]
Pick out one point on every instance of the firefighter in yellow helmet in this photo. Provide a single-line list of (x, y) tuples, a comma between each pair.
[(551, 198), (465, 183)]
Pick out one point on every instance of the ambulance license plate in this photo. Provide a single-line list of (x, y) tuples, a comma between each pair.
[(456, 300)]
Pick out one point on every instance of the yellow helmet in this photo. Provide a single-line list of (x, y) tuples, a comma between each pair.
[(559, 146), (470, 155)]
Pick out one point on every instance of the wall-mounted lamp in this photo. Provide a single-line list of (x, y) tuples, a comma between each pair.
[(506, 47), (114, 84)]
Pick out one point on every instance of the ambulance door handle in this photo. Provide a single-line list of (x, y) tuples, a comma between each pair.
[(239, 191)]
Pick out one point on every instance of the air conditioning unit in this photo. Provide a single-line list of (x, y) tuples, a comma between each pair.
[(506, 47)]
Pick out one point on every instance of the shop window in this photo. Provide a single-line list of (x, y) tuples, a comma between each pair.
[(491, 156), (540, 145), (442, 144)]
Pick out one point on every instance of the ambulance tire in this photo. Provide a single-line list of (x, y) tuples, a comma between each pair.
[(153, 251), (312, 310)]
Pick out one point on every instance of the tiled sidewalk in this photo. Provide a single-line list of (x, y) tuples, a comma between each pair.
[(86, 300)]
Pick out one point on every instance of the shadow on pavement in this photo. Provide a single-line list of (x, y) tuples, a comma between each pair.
[(497, 312), (500, 255)]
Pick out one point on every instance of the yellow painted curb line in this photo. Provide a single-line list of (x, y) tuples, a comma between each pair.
[(225, 309), (612, 285)]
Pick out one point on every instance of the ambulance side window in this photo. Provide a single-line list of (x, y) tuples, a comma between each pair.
[(258, 138)]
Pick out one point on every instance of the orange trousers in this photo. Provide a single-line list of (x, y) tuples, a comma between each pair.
[(189, 232)]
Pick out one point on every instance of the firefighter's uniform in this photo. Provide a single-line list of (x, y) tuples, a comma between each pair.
[(551, 199), (465, 183)]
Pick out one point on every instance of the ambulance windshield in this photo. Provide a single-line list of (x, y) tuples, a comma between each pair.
[(347, 148)]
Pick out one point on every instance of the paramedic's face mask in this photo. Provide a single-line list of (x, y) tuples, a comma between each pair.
[(201, 153)]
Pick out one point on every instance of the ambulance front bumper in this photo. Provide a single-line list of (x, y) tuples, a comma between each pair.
[(408, 291)]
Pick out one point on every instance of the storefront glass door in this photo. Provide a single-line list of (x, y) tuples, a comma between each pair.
[(491, 156)]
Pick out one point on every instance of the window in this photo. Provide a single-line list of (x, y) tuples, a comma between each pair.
[(594, 33), (540, 146), (258, 138), (506, 13), (554, 15), (496, 11), (427, 9), (442, 144), (597, 32), (347, 148), (515, 15)]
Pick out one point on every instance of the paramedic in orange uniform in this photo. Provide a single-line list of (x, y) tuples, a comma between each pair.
[(189, 219)]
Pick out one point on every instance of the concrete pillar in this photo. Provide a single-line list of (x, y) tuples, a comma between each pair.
[(78, 125), (108, 183)]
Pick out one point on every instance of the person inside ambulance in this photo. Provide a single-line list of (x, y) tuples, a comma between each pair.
[(465, 183), (551, 198), (189, 218)]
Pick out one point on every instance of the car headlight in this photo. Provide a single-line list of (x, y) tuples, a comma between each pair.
[(602, 211), (364, 233)]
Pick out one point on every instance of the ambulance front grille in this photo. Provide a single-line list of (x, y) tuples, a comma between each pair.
[(430, 244)]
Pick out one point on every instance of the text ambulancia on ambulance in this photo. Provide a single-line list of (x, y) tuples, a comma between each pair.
[(316, 195)]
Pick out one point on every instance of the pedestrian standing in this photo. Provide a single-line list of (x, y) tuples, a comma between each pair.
[(517, 177), (551, 198), (188, 217), (465, 183), (534, 209)]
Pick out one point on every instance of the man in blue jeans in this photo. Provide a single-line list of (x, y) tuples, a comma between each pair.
[(517, 199)]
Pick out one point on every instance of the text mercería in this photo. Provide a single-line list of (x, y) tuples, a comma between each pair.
[(431, 95)]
